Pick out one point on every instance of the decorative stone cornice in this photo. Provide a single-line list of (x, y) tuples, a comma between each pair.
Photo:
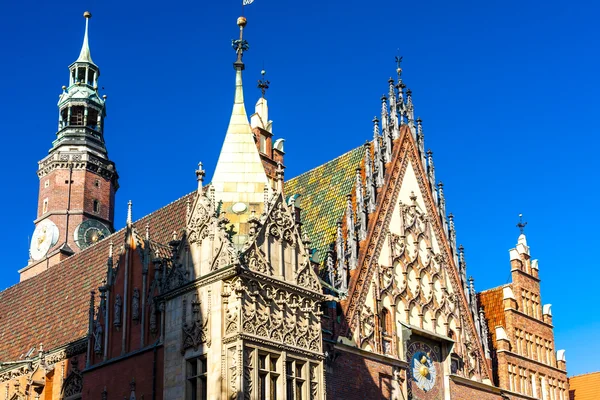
[(78, 160)]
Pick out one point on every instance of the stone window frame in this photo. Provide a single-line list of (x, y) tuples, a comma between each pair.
[(312, 372), (196, 372)]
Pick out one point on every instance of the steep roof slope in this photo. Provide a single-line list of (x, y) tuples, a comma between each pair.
[(585, 387), (52, 307), (322, 198), (492, 302)]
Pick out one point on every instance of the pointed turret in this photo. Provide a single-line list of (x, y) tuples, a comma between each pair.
[(85, 54), (240, 178)]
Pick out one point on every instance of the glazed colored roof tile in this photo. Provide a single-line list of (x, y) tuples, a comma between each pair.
[(585, 387), (52, 307), (322, 198), (493, 306)]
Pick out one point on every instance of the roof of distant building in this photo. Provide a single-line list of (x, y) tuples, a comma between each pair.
[(585, 386)]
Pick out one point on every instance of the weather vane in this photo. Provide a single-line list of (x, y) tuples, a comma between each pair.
[(521, 225), (263, 84), (398, 62)]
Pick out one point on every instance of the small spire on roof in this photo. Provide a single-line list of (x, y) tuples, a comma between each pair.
[(129, 204), (85, 55), (200, 173), (240, 45), (263, 84)]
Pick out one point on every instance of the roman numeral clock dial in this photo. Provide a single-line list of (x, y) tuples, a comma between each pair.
[(89, 232)]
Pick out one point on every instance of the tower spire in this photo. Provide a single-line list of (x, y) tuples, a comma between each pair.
[(85, 55), (239, 176)]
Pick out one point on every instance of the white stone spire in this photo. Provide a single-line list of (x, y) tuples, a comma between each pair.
[(85, 55), (240, 178)]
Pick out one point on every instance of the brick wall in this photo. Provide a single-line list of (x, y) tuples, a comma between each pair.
[(355, 377)]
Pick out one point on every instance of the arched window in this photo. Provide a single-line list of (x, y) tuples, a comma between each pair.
[(386, 331)]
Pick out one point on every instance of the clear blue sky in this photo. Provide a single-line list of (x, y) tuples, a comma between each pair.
[(508, 92)]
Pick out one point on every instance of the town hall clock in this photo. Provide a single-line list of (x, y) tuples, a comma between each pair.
[(44, 237), (89, 232), (423, 370)]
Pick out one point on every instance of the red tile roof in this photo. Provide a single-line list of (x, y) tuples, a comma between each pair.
[(52, 307), (585, 387), (493, 306)]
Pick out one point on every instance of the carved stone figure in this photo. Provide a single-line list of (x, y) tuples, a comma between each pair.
[(117, 315), (135, 305)]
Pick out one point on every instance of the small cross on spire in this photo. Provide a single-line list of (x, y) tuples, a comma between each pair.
[(521, 225), (263, 84)]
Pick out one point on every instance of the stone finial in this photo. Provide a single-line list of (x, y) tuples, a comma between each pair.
[(393, 110), (384, 114), (378, 158), (200, 174), (351, 235), (148, 229), (360, 207), (110, 249), (431, 169), (370, 180), (330, 264), (129, 206), (442, 199), (342, 268), (279, 177)]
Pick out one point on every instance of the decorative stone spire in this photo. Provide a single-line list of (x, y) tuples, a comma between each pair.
[(410, 109), (240, 177), (279, 177), (393, 110), (421, 142), (384, 114), (431, 171), (361, 210), (351, 235), (370, 180), (452, 236), (442, 199), (129, 206), (462, 267), (342, 268), (330, 265), (377, 155), (200, 173)]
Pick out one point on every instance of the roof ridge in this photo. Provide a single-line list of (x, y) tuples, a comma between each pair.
[(584, 374), (494, 288)]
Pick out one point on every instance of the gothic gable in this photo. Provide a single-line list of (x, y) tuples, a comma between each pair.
[(406, 268), (275, 247)]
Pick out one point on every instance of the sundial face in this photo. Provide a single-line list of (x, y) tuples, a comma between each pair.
[(424, 362)]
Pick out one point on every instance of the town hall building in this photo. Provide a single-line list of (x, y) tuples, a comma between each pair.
[(345, 282)]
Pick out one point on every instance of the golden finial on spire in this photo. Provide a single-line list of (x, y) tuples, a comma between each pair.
[(87, 14), (242, 21)]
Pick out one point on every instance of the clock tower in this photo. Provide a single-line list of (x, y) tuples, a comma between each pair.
[(77, 179)]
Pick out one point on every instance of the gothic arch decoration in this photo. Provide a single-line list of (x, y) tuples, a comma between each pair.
[(196, 332), (276, 248), (200, 221), (73, 385)]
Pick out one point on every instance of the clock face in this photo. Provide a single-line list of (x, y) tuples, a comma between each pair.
[(424, 361), (89, 232), (44, 237)]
